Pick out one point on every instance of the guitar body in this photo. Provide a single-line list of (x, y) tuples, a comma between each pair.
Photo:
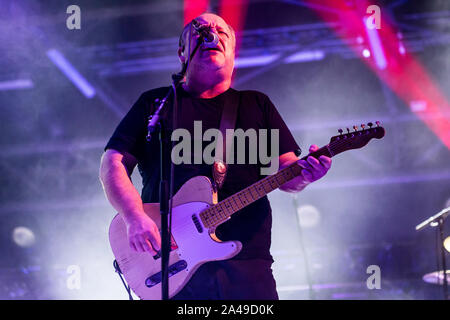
[(194, 244)]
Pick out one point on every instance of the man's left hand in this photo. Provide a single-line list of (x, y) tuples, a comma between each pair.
[(314, 169)]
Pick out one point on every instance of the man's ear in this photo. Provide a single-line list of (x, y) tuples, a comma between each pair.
[(181, 56)]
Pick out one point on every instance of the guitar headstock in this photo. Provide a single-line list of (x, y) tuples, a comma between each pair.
[(357, 138)]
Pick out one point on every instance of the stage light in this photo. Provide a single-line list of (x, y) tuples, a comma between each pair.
[(366, 53), (447, 244), (447, 240), (376, 46), (255, 61), (401, 49), (304, 56), (192, 9), (71, 73), (23, 237), (16, 84), (308, 216), (418, 105), (402, 73)]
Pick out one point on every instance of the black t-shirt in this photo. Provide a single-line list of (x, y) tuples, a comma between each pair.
[(251, 225)]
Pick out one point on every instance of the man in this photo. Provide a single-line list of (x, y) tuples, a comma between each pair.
[(202, 95)]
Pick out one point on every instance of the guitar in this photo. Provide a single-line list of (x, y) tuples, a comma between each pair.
[(195, 217)]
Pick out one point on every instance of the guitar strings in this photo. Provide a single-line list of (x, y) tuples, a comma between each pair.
[(336, 145)]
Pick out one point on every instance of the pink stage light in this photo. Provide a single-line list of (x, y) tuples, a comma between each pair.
[(194, 8), (392, 64), (234, 12)]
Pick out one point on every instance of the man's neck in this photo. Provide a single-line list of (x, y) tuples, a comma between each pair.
[(206, 90)]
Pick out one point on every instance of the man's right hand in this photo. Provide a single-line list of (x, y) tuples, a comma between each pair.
[(115, 170), (143, 234)]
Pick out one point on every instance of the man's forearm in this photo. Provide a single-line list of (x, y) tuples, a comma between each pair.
[(119, 189)]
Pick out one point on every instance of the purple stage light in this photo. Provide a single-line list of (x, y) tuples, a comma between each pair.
[(70, 72), (304, 56), (16, 84), (245, 62)]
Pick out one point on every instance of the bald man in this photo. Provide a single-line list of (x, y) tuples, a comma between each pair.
[(202, 95)]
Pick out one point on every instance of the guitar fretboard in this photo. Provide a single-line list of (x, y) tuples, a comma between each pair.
[(220, 212)]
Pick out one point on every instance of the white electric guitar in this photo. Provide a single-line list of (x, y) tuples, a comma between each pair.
[(195, 217)]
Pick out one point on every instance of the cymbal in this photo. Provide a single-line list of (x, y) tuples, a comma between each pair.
[(436, 277)]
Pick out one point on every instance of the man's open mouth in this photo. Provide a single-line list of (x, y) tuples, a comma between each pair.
[(212, 49)]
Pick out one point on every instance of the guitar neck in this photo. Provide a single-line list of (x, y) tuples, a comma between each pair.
[(222, 211)]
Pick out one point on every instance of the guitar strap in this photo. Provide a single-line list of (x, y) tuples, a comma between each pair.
[(227, 121)]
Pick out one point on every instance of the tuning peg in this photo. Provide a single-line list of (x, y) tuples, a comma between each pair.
[(340, 131), (377, 123), (355, 128), (370, 124), (348, 130), (363, 126)]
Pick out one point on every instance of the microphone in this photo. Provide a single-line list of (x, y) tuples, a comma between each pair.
[(210, 38)]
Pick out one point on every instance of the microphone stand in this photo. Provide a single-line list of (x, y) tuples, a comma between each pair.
[(438, 220), (312, 295), (156, 125), (165, 194)]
